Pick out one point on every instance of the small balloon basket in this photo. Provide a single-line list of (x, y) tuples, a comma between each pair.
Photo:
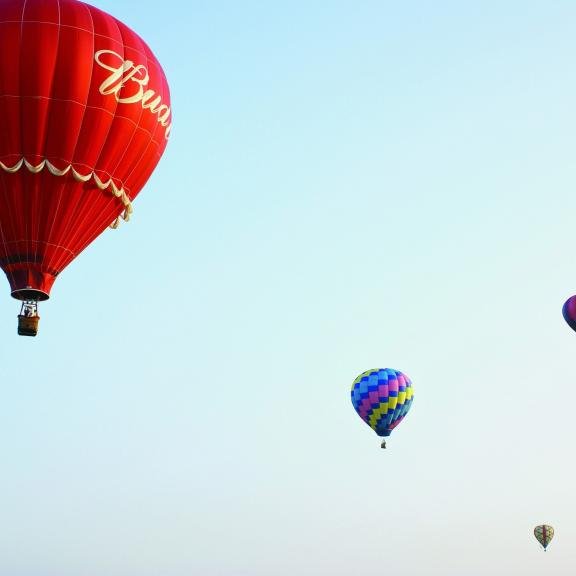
[(28, 319), (28, 326)]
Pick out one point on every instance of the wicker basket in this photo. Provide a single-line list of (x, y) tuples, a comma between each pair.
[(28, 325)]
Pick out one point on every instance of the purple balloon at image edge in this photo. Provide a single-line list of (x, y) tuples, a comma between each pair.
[(569, 312)]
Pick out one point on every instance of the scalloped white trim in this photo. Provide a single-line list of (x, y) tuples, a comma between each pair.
[(79, 177)]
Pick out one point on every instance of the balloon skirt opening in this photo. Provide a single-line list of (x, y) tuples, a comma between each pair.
[(29, 282), (30, 294)]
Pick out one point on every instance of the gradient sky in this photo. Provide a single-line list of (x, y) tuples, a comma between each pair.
[(348, 185)]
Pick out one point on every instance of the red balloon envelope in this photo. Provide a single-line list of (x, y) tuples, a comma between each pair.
[(85, 111)]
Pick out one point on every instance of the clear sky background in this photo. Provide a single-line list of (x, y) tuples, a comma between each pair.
[(348, 185)]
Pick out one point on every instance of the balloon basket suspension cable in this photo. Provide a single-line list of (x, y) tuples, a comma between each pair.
[(28, 318)]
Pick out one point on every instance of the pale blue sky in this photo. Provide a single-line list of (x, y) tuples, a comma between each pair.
[(349, 184)]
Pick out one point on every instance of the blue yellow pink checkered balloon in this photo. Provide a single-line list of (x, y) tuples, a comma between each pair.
[(382, 397)]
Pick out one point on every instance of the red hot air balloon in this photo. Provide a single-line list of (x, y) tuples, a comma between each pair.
[(85, 111)]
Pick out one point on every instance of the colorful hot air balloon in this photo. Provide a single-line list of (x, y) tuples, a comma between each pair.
[(382, 397), (569, 312), (86, 116), (544, 534)]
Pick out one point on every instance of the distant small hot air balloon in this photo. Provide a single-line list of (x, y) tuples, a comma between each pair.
[(382, 397), (544, 534), (569, 312)]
